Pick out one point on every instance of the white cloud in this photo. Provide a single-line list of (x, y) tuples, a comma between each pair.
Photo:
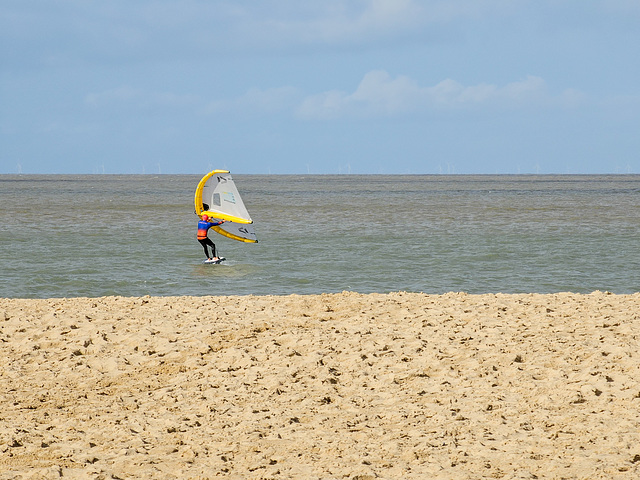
[(128, 97), (380, 94), (118, 95), (291, 23), (377, 95), (122, 32), (349, 21), (257, 102)]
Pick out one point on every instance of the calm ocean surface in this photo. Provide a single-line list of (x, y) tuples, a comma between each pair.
[(96, 235)]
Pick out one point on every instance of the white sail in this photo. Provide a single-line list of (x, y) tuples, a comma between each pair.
[(218, 197)]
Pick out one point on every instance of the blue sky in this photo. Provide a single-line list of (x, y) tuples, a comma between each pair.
[(331, 86)]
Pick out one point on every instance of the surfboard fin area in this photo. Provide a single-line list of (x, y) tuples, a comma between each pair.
[(217, 196)]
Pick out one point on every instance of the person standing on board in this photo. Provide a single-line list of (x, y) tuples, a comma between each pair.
[(203, 229)]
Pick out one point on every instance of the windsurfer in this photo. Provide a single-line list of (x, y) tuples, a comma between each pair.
[(203, 229)]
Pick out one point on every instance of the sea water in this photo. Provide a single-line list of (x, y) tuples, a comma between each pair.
[(135, 235)]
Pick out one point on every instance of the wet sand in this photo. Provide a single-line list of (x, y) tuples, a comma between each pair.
[(343, 386)]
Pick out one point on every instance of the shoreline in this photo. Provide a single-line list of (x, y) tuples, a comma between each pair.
[(344, 385)]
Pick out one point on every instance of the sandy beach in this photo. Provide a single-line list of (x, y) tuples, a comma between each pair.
[(334, 386)]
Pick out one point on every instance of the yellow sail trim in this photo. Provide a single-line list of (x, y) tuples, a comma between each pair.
[(231, 235), (221, 216), (198, 198), (224, 216)]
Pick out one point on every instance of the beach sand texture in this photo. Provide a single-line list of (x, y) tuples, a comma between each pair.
[(332, 386)]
